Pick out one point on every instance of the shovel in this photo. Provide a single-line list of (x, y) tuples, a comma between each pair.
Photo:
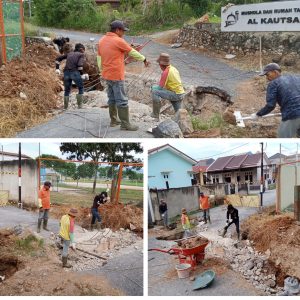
[(240, 120)]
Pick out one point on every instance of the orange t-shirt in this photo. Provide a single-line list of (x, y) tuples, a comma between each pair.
[(112, 50), (44, 195), (204, 202)]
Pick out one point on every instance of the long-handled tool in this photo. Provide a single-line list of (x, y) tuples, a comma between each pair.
[(240, 120)]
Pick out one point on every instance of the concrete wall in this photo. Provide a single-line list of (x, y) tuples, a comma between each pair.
[(166, 160), (288, 182), (284, 47), (9, 180), (187, 197)]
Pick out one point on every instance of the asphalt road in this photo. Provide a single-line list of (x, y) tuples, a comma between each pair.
[(230, 283), (195, 69), (124, 272)]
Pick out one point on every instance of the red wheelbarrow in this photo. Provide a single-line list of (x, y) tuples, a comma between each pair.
[(192, 256)]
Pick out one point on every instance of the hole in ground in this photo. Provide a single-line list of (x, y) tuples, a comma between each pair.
[(9, 265)]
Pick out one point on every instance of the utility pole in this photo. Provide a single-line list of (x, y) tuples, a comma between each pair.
[(20, 177), (262, 175)]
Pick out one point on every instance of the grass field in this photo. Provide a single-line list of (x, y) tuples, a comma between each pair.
[(84, 197), (123, 182)]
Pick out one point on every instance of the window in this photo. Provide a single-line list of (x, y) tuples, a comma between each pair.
[(215, 178), (166, 176)]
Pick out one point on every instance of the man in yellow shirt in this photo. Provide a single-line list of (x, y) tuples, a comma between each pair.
[(169, 88), (66, 233)]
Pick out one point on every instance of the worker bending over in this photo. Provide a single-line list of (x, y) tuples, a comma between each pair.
[(284, 90)]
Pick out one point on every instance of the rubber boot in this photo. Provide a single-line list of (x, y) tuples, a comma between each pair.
[(205, 220), (66, 102), (79, 98), (124, 117), (176, 105), (238, 236), (65, 262), (39, 225), (113, 113), (224, 232), (156, 109), (45, 224), (209, 219), (92, 227)]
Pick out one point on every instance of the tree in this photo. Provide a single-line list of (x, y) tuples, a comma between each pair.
[(200, 7), (105, 152)]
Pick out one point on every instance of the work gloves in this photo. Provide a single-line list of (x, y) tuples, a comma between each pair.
[(85, 77), (57, 71)]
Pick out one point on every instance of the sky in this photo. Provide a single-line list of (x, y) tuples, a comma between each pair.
[(32, 149), (214, 148)]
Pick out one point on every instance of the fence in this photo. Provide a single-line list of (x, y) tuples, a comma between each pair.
[(78, 182), (12, 37)]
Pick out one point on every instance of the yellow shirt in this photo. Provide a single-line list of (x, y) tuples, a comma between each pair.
[(65, 227), (173, 82)]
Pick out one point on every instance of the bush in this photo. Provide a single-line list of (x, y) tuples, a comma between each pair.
[(215, 122)]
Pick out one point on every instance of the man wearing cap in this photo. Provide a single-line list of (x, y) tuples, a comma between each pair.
[(44, 206), (66, 233), (169, 88), (284, 90), (111, 52)]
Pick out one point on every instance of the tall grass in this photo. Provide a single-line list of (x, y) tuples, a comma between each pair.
[(216, 121)]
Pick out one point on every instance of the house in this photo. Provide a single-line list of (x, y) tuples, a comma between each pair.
[(275, 161), (113, 3), (168, 168), (200, 169), (5, 156), (242, 168)]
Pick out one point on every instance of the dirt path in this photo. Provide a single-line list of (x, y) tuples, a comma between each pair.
[(195, 70)]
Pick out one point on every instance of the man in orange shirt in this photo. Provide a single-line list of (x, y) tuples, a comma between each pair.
[(44, 206), (111, 51), (204, 204)]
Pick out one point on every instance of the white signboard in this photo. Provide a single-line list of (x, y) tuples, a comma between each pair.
[(271, 16)]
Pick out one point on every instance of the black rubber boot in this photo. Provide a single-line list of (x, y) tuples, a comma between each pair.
[(45, 225), (65, 262), (39, 225)]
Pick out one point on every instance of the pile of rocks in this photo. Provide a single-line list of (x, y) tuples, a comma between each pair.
[(253, 266)]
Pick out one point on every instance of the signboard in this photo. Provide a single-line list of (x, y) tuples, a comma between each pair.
[(271, 16)]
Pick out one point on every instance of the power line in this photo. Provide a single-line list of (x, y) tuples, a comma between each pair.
[(223, 152)]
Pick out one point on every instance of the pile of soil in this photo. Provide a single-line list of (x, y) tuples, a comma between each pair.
[(114, 216), (278, 235), (29, 90), (192, 242)]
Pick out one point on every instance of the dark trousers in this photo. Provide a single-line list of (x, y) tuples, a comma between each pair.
[(237, 225), (72, 76), (95, 216)]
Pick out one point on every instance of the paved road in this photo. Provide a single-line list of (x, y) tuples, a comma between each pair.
[(195, 69), (130, 281), (229, 283)]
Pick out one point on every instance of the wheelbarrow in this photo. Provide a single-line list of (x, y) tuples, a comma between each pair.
[(192, 256)]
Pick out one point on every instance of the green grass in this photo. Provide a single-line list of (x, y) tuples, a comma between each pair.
[(84, 197), (29, 245), (214, 122), (123, 182)]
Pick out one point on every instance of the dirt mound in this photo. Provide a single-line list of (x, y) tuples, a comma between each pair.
[(192, 242), (29, 90), (114, 216), (279, 237)]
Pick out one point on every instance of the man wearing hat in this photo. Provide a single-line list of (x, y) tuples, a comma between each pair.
[(284, 90), (169, 88), (44, 206), (66, 233), (111, 52)]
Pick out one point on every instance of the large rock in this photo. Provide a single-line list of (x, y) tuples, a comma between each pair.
[(183, 119), (167, 129)]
